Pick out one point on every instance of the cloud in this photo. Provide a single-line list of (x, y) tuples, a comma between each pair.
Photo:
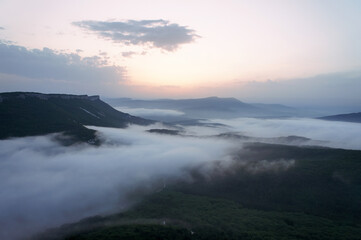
[(155, 33), (128, 54), (43, 184), (150, 111), (1, 28), (256, 167), (49, 64), (330, 133), (46, 70)]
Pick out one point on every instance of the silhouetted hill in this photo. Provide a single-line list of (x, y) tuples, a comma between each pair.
[(211, 107), (27, 114), (350, 117)]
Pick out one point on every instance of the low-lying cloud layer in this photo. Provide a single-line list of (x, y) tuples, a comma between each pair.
[(144, 112), (43, 184), (154, 33), (333, 134)]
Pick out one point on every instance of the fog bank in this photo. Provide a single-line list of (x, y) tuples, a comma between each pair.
[(43, 184), (334, 134)]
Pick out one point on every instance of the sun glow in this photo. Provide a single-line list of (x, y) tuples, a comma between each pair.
[(199, 48)]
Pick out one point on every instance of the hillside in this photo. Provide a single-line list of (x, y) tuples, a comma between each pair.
[(211, 107), (269, 192), (175, 215), (350, 117), (28, 114), (315, 180)]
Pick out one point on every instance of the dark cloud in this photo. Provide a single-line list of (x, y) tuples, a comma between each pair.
[(49, 64), (128, 54), (1, 28), (156, 33)]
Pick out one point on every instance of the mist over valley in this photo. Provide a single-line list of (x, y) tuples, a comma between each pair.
[(58, 178), (180, 120)]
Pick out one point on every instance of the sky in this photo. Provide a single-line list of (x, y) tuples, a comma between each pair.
[(274, 51)]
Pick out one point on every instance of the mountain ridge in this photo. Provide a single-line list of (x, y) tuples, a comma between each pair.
[(44, 96), (348, 117), (209, 107), (30, 114)]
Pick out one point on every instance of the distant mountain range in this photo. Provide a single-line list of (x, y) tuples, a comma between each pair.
[(28, 114), (350, 117), (211, 107)]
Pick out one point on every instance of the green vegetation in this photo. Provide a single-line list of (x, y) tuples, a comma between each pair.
[(323, 181), (316, 198), (185, 216), (148, 232)]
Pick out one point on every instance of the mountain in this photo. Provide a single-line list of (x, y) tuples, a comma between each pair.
[(28, 114), (211, 107), (269, 192), (279, 108), (350, 117)]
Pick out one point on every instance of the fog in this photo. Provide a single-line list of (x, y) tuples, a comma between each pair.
[(334, 134), (144, 112), (44, 184)]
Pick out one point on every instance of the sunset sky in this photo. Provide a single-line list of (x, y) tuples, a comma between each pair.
[(283, 51)]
